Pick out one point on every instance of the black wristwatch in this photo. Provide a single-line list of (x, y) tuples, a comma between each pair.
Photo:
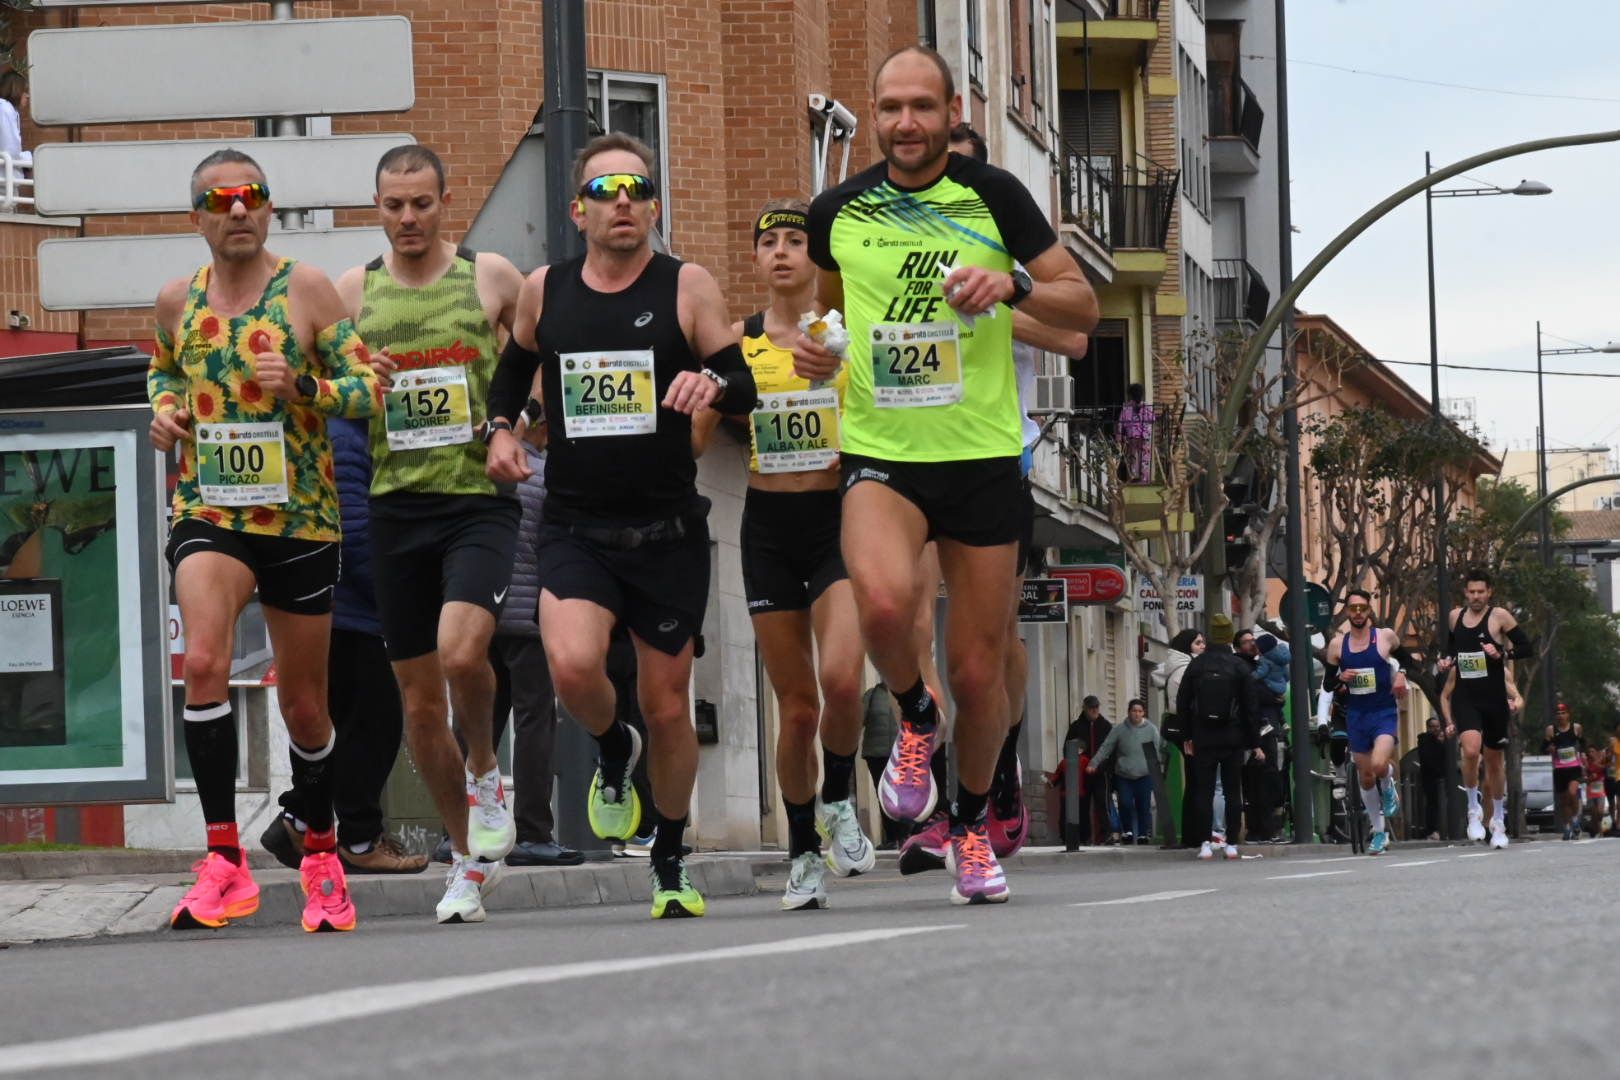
[(1022, 283), (306, 386), (492, 427)]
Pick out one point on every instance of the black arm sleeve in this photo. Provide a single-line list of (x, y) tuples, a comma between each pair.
[(1522, 645), (741, 394), (509, 387)]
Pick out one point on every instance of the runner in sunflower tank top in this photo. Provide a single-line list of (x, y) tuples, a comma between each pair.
[(253, 352), (443, 534), (921, 254), (799, 597)]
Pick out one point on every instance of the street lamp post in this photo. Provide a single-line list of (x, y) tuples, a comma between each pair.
[(1549, 677), (1442, 608)]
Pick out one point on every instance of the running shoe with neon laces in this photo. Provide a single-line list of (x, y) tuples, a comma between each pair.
[(1476, 825), (1499, 836), (907, 791), (1008, 817), (1379, 843), (223, 891), (849, 852), (491, 831), (614, 807), (807, 884), (469, 879), (326, 894), (674, 897), (1392, 800), (979, 879), (924, 850)]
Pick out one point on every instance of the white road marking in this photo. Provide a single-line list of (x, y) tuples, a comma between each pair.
[(1332, 859), (1476, 855), (1313, 873), (1588, 840), (340, 1006), (1145, 899), (1418, 862)]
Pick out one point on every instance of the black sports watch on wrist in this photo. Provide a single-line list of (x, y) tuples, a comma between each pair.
[(492, 427), (306, 386), (1022, 284)]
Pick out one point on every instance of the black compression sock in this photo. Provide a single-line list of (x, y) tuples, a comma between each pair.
[(1007, 763), (969, 807), (667, 840), (210, 734), (312, 778), (837, 771), (938, 766), (801, 819), (917, 706), (615, 746)]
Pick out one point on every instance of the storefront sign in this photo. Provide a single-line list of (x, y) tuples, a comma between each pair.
[(1096, 584), (1044, 600), (1189, 595)]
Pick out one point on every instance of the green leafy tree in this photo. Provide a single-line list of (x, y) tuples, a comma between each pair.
[(9, 57)]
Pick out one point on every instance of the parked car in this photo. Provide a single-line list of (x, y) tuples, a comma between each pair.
[(1540, 809)]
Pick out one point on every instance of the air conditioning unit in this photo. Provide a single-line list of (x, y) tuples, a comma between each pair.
[(1607, 502), (1054, 395)]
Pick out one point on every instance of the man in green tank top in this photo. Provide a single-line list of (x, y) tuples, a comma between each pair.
[(443, 534)]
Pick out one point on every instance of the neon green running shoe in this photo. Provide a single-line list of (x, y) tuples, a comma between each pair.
[(673, 894), (614, 808)]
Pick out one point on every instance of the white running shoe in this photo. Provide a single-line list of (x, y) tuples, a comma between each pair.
[(469, 879), (491, 832), (1499, 836), (1206, 851), (1229, 851), (1476, 825), (849, 852), (807, 884)]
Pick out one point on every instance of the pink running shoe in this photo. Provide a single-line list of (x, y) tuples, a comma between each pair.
[(979, 879), (907, 792), (224, 891), (1008, 817), (924, 850), (327, 905)]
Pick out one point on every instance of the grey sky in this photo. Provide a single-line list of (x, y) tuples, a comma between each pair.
[(1501, 263)]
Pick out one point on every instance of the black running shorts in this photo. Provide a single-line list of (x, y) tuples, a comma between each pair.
[(979, 503), (295, 576), (658, 591), (431, 550), (1490, 719), (790, 551)]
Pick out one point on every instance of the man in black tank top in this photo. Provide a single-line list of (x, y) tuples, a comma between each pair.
[(617, 336), (1479, 698)]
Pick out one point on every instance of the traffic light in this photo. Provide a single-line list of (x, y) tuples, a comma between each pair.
[(1240, 508)]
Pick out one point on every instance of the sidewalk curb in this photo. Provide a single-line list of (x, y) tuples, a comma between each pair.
[(50, 911)]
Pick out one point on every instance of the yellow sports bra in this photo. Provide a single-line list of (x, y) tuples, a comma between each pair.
[(772, 367)]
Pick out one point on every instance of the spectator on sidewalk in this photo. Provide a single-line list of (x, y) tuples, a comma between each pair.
[(1220, 704), (1091, 728), (1134, 747), (1058, 778), (878, 727), (523, 682), (361, 691), (1262, 776), (1183, 647), (1431, 750)]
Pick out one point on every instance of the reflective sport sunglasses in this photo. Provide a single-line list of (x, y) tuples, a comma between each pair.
[(218, 200), (1357, 607), (606, 188)]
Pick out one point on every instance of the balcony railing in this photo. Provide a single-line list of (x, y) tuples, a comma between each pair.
[(1240, 293), (1134, 9), (1233, 110), (16, 187), (1131, 210)]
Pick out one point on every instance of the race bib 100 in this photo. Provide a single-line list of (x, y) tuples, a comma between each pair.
[(915, 365), (1471, 665), (796, 430), (608, 393), (242, 464), (428, 408)]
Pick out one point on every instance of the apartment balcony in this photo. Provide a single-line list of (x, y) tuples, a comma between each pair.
[(1117, 218), (1129, 28), (1086, 199), (1235, 123), (1241, 296)]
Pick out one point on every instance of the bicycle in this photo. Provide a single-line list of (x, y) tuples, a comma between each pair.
[(1344, 791)]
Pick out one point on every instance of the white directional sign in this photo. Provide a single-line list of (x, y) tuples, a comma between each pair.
[(211, 71), (304, 173), (128, 271)]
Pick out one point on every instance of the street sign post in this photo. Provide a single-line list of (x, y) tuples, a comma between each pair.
[(304, 173)]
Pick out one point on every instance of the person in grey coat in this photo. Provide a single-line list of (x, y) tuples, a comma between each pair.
[(523, 683)]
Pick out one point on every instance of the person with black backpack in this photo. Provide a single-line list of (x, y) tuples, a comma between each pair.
[(1219, 705)]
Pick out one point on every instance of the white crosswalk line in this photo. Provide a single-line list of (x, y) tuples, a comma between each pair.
[(1145, 899), (1419, 862)]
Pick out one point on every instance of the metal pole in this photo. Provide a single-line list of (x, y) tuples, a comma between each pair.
[(1299, 631), (1549, 677), (287, 126), (566, 120), (1442, 608)]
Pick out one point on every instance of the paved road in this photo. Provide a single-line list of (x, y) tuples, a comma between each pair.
[(1443, 962)]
